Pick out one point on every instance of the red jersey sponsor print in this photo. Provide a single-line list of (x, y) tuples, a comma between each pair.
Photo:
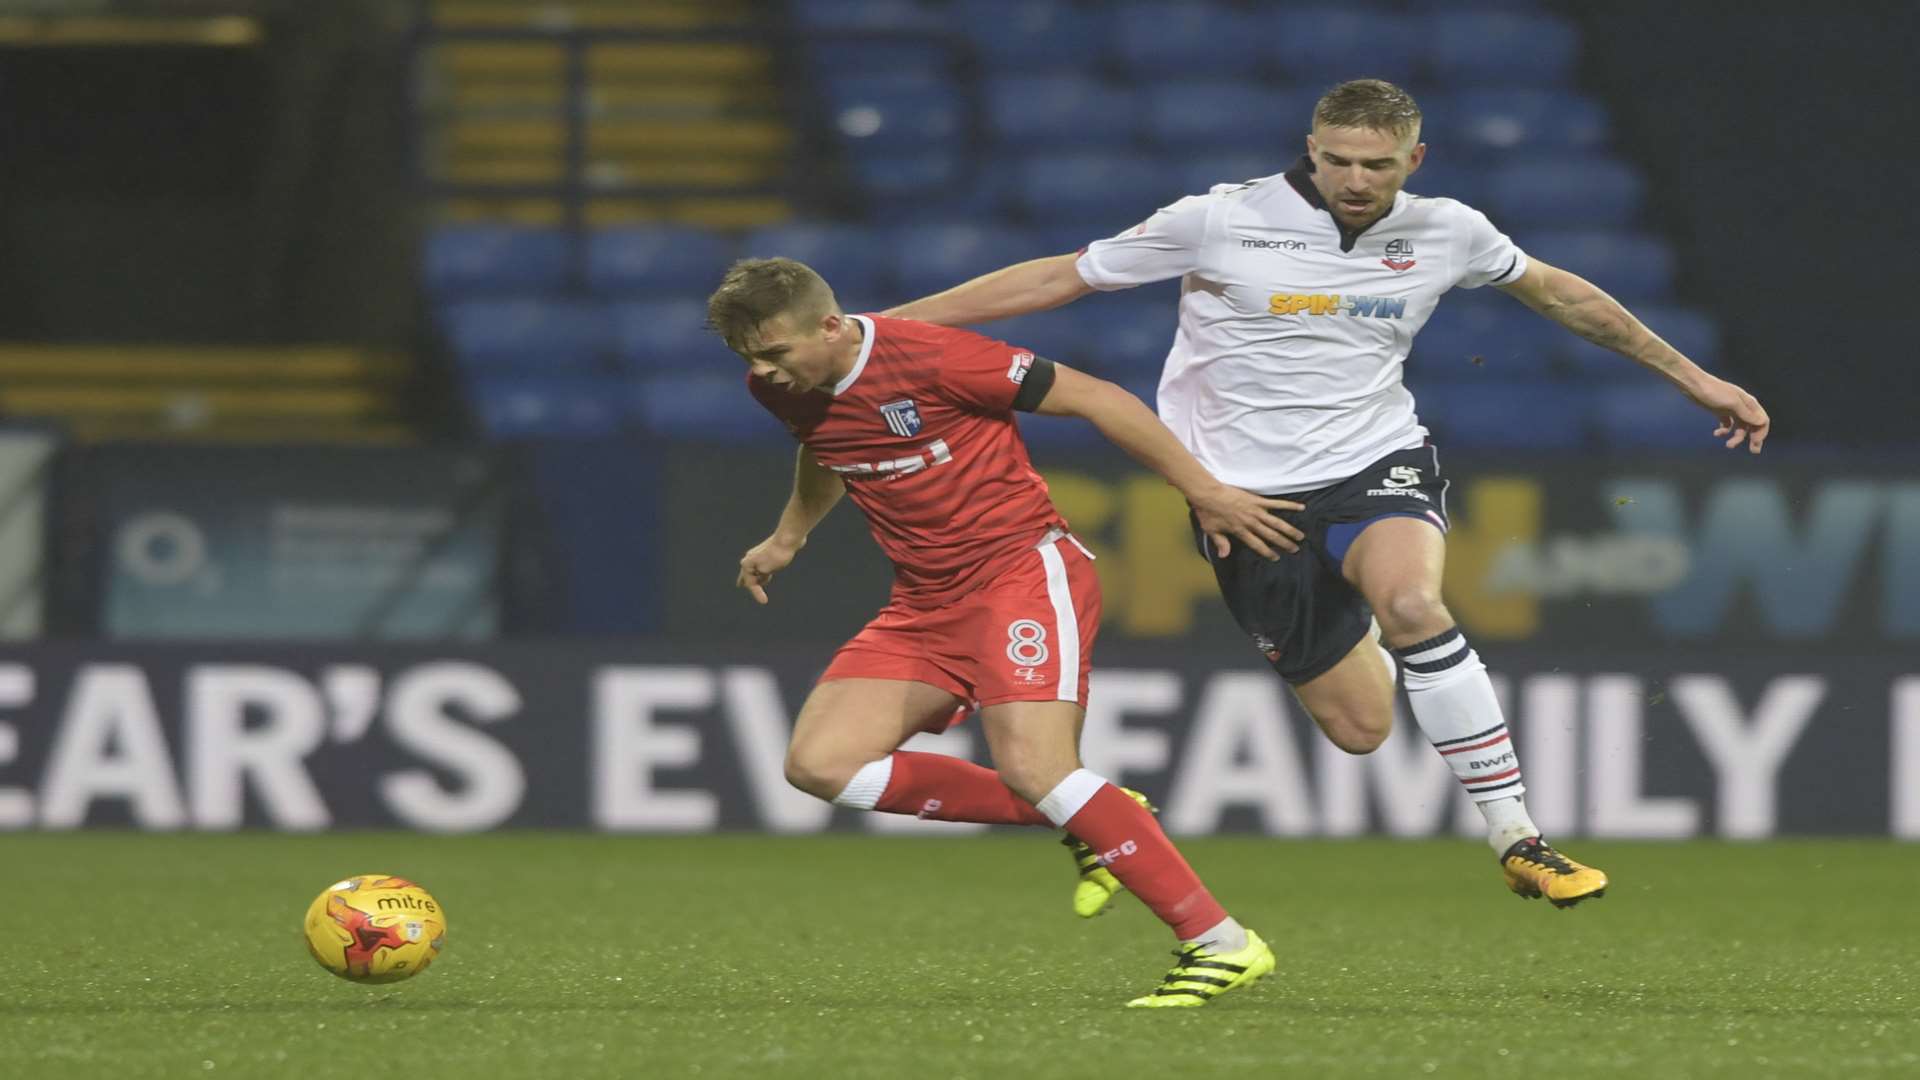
[(922, 431)]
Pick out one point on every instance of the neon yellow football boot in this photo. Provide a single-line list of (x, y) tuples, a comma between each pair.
[(1200, 975), (1097, 886), (1534, 869)]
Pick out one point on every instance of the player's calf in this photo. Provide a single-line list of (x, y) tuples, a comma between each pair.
[(938, 788), (1096, 888)]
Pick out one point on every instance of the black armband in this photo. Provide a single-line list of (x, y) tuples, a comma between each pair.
[(1033, 388)]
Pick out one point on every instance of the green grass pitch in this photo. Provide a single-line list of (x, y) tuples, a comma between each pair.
[(849, 957)]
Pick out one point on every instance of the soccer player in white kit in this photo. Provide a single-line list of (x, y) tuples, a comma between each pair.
[(1300, 296)]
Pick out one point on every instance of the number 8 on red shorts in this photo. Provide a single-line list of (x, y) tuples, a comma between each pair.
[(1025, 635)]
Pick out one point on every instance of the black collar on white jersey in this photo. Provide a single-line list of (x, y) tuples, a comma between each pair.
[(1298, 177)]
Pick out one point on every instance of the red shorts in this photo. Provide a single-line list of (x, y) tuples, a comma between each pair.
[(1026, 636)]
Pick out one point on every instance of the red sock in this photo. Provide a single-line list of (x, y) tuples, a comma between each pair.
[(948, 789), (1146, 862)]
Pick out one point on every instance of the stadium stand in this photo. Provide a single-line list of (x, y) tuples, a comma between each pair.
[(956, 136)]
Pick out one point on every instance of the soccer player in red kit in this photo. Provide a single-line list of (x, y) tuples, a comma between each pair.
[(994, 602)]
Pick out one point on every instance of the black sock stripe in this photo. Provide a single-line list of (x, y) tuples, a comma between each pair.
[(1442, 664), (1433, 642), (1469, 738)]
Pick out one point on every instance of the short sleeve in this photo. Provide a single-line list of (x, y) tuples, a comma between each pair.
[(1166, 245), (1489, 258), (982, 373)]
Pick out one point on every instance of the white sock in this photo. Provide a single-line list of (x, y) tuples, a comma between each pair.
[(1069, 795), (864, 790), (1507, 822), (1227, 935), (1454, 704)]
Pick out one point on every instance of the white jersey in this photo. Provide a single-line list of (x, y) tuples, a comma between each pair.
[(1285, 369)]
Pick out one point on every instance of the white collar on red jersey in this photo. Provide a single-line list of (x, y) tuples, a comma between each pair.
[(859, 365)]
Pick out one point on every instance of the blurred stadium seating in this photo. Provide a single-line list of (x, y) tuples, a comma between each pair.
[(961, 135)]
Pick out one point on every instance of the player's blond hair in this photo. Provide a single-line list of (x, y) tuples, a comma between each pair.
[(756, 290), (1373, 104)]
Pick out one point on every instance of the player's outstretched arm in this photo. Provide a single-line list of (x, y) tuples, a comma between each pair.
[(1020, 289), (815, 491), (1130, 425), (1580, 306)]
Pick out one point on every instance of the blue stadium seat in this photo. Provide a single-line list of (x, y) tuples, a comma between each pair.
[(1490, 48), (1325, 45), (1048, 434), (1058, 110), (935, 257), (547, 405), (1144, 387), (1514, 119), (1200, 173), (1113, 189), (670, 335), (1484, 340), (1449, 178), (1226, 116), (1051, 35), (826, 55), (1064, 334), (1650, 415), (1528, 414), (528, 335), (854, 259), (464, 260), (1692, 332), (642, 259), (1058, 239), (903, 109), (832, 16), (912, 175), (704, 408), (975, 196), (1152, 39), (1566, 192), (1132, 337), (1425, 6), (1630, 266)]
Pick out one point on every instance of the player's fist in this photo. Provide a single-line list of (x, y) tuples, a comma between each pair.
[(1740, 415), (762, 561)]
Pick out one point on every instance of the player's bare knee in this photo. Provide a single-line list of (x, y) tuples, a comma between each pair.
[(1412, 614), (1357, 737), (1023, 781), (1032, 778), (819, 775), (1357, 729)]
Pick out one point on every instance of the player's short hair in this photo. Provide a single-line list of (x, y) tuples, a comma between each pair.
[(756, 290), (1374, 104)]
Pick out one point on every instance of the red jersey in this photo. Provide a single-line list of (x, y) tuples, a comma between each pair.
[(922, 432)]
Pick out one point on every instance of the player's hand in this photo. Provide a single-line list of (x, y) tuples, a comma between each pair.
[(1228, 511), (761, 562), (1741, 417)]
